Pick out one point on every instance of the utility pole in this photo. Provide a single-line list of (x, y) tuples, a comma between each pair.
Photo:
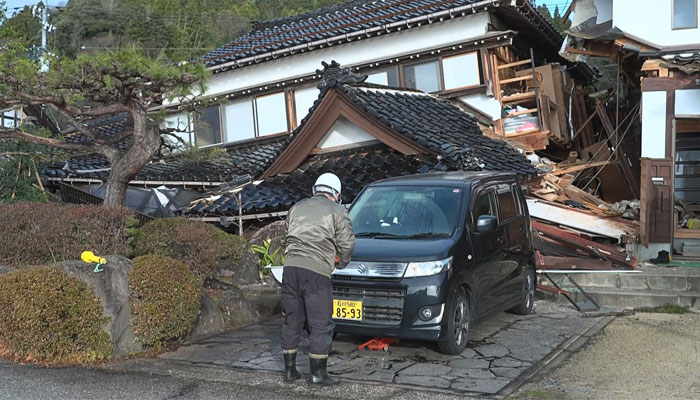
[(44, 35), (45, 29)]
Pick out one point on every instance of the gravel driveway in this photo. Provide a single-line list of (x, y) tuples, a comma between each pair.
[(643, 356)]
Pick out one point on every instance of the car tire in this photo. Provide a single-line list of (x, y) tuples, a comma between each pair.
[(455, 333), (527, 293)]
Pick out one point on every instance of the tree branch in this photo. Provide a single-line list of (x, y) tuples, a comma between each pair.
[(59, 144)]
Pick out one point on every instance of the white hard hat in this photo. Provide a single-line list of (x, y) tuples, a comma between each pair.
[(328, 183)]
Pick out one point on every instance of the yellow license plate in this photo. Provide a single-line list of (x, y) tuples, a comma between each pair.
[(347, 309)]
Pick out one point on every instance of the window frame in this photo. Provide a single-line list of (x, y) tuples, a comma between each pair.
[(673, 9), (289, 114), (396, 70), (196, 128), (402, 73), (285, 97), (479, 67), (441, 72)]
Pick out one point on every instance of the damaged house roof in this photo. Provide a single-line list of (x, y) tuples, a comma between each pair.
[(416, 133), (344, 22), (251, 158)]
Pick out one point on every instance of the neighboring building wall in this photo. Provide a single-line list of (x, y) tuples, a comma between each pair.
[(650, 21)]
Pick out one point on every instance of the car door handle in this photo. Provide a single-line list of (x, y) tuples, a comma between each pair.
[(522, 228)]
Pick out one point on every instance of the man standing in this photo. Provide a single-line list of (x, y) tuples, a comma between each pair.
[(319, 239)]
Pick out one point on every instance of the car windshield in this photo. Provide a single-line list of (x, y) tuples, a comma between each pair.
[(387, 212)]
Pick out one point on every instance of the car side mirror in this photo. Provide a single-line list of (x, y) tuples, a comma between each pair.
[(486, 224)]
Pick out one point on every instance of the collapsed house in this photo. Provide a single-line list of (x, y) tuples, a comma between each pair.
[(456, 84)]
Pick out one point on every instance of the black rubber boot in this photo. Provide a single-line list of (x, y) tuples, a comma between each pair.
[(319, 372), (290, 367)]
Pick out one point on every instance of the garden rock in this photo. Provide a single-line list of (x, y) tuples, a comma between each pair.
[(276, 230), (248, 270), (235, 309), (111, 287), (210, 319)]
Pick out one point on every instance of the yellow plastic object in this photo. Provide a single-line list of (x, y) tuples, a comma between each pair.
[(90, 257), (694, 223)]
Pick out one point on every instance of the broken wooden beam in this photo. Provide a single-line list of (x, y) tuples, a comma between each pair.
[(612, 253), (554, 262), (554, 290)]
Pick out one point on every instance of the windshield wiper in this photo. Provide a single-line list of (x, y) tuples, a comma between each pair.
[(425, 235), (376, 235)]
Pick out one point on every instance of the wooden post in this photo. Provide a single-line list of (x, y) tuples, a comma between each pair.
[(240, 214)]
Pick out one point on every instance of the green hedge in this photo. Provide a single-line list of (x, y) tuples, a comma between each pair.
[(45, 315), (165, 299), (201, 246), (42, 233)]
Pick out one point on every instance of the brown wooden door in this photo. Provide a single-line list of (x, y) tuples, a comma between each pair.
[(656, 220)]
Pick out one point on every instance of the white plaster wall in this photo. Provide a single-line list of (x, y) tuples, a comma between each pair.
[(654, 124), (687, 102), (486, 104), (356, 52), (344, 132), (650, 20)]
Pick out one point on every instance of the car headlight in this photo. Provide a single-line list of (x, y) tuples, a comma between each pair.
[(427, 268)]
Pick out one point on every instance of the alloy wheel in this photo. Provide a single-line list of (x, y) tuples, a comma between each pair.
[(529, 290), (461, 323)]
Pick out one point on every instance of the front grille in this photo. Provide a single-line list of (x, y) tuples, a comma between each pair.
[(380, 305), (363, 270)]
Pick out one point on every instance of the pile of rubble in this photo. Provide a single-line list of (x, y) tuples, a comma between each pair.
[(576, 229)]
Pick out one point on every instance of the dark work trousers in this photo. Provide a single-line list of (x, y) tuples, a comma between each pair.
[(307, 297)]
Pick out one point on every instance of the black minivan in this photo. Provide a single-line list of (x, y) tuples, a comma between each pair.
[(435, 252)]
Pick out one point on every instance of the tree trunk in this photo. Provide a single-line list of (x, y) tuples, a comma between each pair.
[(115, 193), (125, 165)]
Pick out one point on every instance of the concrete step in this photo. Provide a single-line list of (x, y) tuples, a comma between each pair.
[(631, 297), (675, 279)]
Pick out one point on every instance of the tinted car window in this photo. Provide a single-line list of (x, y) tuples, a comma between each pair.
[(485, 204), (407, 210), (506, 202)]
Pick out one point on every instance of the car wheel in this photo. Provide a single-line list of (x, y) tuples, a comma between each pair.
[(527, 293), (456, 331)]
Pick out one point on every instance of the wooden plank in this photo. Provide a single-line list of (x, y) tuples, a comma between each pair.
[(609, 252), (516, 79), (590, 118), (578, 167), (550, 289), (518, 97), (536, 140), (588, 52), (578, 219), (514, 64), (686, 233), (528, 111), (555, 262)]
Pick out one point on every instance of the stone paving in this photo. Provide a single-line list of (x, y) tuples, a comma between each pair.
[(500, 350)]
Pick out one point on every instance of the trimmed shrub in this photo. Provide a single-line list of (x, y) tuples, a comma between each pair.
[(165, 299), (45, 315), (201, 246), (42, 233)]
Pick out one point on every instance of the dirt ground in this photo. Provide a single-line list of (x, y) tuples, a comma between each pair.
[(642, 356)]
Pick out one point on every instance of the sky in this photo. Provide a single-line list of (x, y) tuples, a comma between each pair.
[(21, 3)]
